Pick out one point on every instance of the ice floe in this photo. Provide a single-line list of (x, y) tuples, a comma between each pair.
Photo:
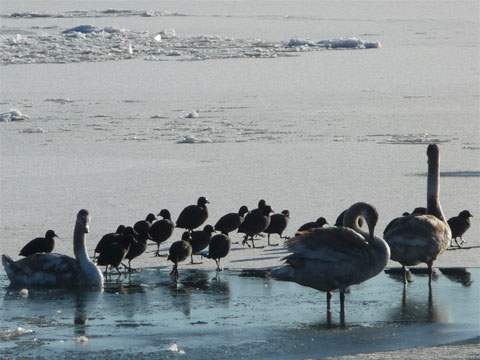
[(13, 115), (86, 42), (13, 334)]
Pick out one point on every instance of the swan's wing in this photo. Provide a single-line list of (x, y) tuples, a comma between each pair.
[(43, 269), (326, 244), (417, 230)]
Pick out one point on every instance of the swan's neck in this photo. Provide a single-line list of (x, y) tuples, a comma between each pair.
[(79, 246), (433, 189)]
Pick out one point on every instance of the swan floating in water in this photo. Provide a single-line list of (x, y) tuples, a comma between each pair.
[(56, 270), (333, 258), (416, 239)]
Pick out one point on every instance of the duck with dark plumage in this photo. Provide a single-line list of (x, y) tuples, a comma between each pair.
[(162, 229), (179, 251), (231, 221), (255, 222), (218, 248), (193, 215), (40, 245), (459, 225), (107, 239), (278, 224), (114, 252), (319, 223), (199, 240)]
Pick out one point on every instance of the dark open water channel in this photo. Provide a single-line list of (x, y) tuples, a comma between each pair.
[(235, 317)]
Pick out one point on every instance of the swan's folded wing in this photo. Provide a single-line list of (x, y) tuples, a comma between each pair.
[(47, 263), (326, 244), (417, 230)]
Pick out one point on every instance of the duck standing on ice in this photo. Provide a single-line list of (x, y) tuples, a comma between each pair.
[(56, 270)]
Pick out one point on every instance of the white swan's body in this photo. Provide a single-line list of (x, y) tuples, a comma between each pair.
[(55, 270), (333, 258), (415, 239)]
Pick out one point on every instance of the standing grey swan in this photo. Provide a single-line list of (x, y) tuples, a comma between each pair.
[(416, 239), (333, 258), (55, 270)]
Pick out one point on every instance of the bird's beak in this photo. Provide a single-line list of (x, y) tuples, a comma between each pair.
[(87, 229)]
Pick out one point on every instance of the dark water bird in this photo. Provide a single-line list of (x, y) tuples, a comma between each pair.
[(179, 251), (416, 239), (319, 223), (333, 258), (151, 218), (200, 239), (255, 223), (139, 246), (108, 238), (261, 204), (459, 225), (218, 248), (193, 215), (278, 224), (230, 222), (40, 245), (142, 228), (114, 252), (55, 270), (162, 229)]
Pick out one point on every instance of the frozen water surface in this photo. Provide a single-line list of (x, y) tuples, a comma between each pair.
[(235, 315)]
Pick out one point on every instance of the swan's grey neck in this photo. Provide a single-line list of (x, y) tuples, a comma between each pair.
[(79, 247), (433, 188)]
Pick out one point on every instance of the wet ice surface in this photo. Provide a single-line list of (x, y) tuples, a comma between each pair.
[(234, 316)]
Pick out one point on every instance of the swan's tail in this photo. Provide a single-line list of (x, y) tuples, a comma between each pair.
[(283, 273), (8, 265)]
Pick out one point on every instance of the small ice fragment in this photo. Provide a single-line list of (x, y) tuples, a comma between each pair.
[(130, 49), (59, 311), (158, 38), (174, 348), (192, 115), (82, 339), (372, 44), (168, 33), (13, 115), (33, 130), (23, 293), (84, 29)]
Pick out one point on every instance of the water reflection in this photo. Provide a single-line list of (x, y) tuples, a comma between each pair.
[(84, 303), (413, 310)]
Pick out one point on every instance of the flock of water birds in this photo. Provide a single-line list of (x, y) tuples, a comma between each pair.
[(322, 257)]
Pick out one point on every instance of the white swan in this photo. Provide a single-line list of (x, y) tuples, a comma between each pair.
[(333, 258), (55, 270), (416, 239)]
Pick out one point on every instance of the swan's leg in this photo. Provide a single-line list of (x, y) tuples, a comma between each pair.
[(342, 307), (329, 302), (430, 273), (404, 273)]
